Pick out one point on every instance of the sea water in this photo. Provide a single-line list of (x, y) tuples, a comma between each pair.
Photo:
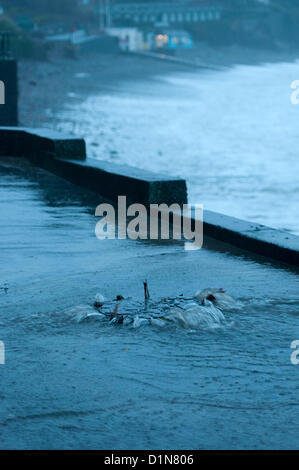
[(232, 134)]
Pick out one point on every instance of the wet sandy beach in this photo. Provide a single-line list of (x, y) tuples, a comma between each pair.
[(48, 86)]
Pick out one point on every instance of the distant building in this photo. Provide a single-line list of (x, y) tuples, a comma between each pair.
[(135, 40), (129, 39), (170, 13), (172, 40)]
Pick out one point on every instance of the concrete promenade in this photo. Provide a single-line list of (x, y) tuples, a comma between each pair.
[(69, 386), (66, 156)]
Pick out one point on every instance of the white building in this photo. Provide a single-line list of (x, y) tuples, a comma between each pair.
[(130, 39)]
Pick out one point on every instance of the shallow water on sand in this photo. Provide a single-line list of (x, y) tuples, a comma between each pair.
[(233, 135)]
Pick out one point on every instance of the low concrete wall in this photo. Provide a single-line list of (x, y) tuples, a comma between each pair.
[(66, 157), (27, 142), (257, 238), (9, 76), (111, 180)]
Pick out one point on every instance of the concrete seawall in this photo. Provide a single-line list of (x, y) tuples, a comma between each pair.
[(266, 241), (9, 76), (66, 157)]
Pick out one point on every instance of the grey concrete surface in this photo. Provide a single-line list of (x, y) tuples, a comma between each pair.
[(272, 243), (82, 386), (111, 180), (70, 238), (54, 152), (66, 156), (24, 141)]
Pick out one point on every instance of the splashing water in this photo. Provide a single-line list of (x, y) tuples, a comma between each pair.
[(176, 312)]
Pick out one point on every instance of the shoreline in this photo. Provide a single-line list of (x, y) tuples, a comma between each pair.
[(234, 55), (46, 87), (49, 86), (80, 106)]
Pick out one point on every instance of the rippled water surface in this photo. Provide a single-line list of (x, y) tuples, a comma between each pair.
[(232, 134), (98, 385), (95, 385)]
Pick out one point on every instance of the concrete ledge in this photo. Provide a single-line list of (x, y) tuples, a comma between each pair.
[(66, 156), (111, 180), (25, 142), (257, 238), (9, 76)]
